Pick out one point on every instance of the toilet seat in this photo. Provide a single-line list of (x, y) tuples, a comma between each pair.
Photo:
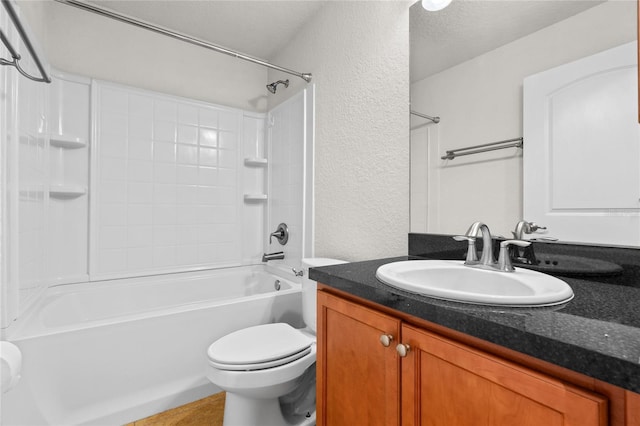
[(259, 347)]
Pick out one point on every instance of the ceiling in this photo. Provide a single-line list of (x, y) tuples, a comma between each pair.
[(439, 40), (469, 28), (256, 28)]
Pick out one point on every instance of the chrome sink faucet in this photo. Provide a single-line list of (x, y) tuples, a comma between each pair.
[(487, 260)]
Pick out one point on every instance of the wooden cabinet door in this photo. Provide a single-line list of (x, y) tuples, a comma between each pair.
[(358, 378), (449, 384)]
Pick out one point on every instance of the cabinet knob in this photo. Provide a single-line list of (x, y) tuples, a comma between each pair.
[(403, 349), (386, 340)]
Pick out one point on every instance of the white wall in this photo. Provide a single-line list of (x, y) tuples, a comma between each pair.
[(358, 53), (87, 44), (480, 101)]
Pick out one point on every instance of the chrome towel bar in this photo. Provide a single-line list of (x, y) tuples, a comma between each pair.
[(15, 56), (493, 146), (428, 117)]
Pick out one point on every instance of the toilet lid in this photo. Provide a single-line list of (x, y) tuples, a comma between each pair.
[(258, 347)]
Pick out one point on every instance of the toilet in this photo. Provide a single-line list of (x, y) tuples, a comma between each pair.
[(268, 371)]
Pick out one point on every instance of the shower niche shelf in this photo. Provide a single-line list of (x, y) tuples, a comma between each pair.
[(249, 198), (66, 192), (67, 142), (255, 162)]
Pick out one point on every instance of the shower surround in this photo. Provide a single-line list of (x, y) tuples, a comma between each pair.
[(110, 186), (121, 182)]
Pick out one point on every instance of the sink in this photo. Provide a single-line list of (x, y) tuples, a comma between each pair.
[(452, 280)]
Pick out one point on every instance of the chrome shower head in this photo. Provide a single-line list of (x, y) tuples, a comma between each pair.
[(272, 87)]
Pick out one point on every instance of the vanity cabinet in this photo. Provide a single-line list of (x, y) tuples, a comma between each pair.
[(448, 383), (360, 379), (363, 378)]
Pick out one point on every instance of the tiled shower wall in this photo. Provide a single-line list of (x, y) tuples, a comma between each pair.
[(104, 181), (290, 187), (68, 178), (168, 184)]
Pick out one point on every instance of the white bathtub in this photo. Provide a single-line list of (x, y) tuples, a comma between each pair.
[(117, 351)]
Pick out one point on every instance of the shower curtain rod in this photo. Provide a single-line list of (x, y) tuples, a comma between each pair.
[(179, 36), (15, 56), (428, 117)]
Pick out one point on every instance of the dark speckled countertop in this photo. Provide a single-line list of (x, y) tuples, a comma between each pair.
[(596, 334)]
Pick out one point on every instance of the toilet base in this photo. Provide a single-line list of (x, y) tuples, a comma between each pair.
[(242, 411)]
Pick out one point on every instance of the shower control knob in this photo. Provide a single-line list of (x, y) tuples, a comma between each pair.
[(386, 340), (403, 349)]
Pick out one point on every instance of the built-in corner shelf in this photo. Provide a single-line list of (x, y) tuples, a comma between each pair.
[(255, 197), (255, 162), (66, 192), (67, 142)]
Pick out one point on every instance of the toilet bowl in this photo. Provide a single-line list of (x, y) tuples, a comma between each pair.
[(258, 365)]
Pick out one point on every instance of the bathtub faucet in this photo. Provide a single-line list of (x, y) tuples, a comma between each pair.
[(272, 256)]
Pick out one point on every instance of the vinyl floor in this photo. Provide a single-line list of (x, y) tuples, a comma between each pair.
[(204, 412)]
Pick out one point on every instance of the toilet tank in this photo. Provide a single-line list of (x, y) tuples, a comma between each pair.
[(309, 288)]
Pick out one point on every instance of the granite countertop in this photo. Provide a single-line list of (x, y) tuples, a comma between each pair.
[(596, 334)]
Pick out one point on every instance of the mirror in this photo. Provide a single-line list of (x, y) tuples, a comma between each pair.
[(468, 63)]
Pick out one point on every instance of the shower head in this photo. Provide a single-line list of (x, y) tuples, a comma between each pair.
[(272, 87)]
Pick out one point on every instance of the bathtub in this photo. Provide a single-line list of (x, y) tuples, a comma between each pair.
[(116, 351)]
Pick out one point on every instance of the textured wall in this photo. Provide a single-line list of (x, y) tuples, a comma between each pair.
[(87, 44), (358, 53), (480, 101)]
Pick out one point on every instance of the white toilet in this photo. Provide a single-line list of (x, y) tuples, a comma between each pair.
[(258, 365)]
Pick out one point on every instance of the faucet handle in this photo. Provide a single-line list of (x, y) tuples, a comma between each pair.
[(533, 227), (281, 234), (504, 261), (472, 255), (524, 227)]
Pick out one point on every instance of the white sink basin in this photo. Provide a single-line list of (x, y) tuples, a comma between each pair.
[(451, 280)]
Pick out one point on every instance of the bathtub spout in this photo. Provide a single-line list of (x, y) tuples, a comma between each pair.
[(272, 256)]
